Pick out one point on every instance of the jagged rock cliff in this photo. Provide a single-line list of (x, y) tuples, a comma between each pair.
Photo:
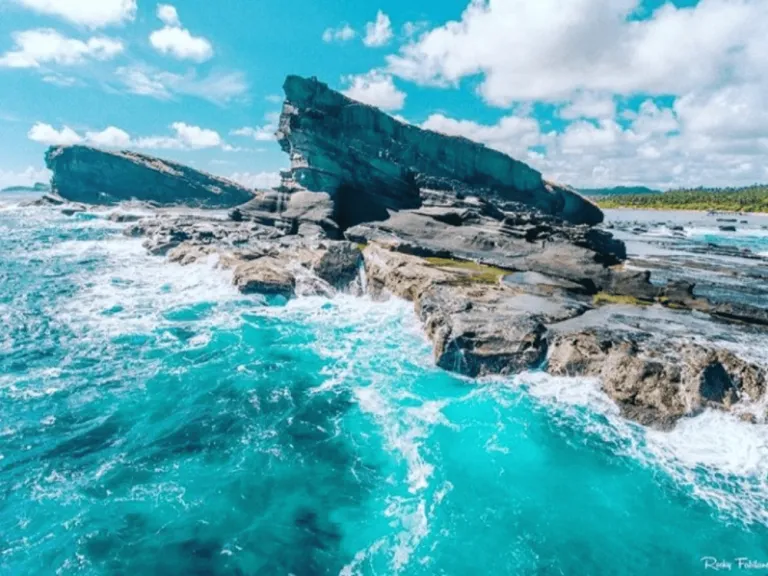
[(93, 176), (506, 272), (369, 162)]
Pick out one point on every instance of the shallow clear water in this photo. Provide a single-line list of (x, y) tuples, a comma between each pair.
[(153, 421)]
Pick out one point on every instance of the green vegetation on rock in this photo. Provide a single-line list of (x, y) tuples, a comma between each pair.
[(603, 298), (475, 273), (747, 199)]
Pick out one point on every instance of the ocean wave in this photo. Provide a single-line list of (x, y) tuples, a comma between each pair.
[(719, 458), (145, 409)]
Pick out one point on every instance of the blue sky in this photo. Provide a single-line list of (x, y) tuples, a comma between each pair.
[(591, 92)]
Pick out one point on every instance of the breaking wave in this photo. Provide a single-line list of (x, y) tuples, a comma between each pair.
[(155, 420)]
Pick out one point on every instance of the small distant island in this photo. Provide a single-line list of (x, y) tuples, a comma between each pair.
[(747, 199), (39, 187)]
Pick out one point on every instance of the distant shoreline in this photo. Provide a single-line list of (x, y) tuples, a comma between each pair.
[(671, 209)]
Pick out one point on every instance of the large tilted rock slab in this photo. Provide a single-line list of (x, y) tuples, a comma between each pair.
[(93, 176), (369, 162)]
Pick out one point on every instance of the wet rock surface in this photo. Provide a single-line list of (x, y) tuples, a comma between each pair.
[(503, 276)]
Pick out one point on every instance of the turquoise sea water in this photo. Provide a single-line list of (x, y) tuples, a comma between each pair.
[(153, 421)]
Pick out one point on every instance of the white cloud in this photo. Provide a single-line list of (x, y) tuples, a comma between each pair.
[(168, 15), (411, 29), (110, 137), (257, 180), (377, 89), (176, 41), (659, 147), (184, 137), (217, 87), (708, 60), (47, 134), (550, 49), (589, 105), (26, 177), (59, 80), (34, 48), (512, 135), (263, 133), (730, 112), (343, 33), (90, 13), (196, 137), (144, 83), (378, 33)]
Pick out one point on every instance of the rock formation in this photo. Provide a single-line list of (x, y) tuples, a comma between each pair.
[(92, 176), (506, 272), (370, 162)]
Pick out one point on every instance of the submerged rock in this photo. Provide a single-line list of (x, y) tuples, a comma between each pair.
[(92, 176)]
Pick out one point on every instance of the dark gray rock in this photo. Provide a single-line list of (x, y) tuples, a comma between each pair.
[(339, 265), (369, 162), (634, 283), (93, 176), (517, 242), (264, 276), (653, 376)]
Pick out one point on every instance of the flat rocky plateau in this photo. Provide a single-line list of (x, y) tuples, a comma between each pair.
[(507, 272)]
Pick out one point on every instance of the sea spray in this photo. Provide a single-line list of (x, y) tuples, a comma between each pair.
[(153, 420)]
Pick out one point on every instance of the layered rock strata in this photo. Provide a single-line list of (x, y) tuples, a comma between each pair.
[(370, 162), (93, 176), (506, 272)]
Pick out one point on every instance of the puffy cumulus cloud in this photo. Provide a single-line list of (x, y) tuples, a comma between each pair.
[(90, 13), (196, 137), (263, 133), (110, 137), (729, 113), (47, 134), (513, 135), (216, 87), (658, 146), (589, 105), (34, 48), (549, 49), (343, 33), (168, 15), (377, 89), (411, 29), (379, 32), (27, 177), (708, 60), (183, 137), (257, 180), (176, 41)]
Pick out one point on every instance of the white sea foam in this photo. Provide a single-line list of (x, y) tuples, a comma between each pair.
[(375, 349), (133, 291), (721, 459)]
